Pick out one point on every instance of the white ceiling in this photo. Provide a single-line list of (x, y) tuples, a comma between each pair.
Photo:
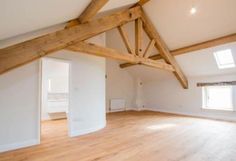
[(214, 18), (22, 16), (203, 63), (113, 4), (194, 64), (178, 28)]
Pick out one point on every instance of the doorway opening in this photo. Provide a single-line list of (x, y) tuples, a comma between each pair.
[(54, 98)]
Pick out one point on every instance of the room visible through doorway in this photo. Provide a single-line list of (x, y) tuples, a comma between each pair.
[(54, 96)]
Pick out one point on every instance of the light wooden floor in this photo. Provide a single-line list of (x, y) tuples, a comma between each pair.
[(136, 136)]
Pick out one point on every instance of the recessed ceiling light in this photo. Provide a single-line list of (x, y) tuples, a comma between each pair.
[(193, 10)]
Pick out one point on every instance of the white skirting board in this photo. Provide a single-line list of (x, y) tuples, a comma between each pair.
[(117, 104), (13, 146), (198, 115)]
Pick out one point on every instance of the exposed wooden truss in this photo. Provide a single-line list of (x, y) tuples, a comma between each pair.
[(72, 38), (150, 46), (200, 46), (30, 50), (89, 12), (126, 40), (138, 36), (163, 49), (96, 50), (142, 2)]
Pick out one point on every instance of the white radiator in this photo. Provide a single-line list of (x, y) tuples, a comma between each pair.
[(117, 104)]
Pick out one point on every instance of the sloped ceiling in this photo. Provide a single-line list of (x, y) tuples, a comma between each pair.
[(178, 28), (200, 63), (23, 16)]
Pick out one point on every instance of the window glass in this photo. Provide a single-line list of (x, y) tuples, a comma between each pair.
[(218, 97)]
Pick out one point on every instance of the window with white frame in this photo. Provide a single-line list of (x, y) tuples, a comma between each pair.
[(218, 98), (224, 59)]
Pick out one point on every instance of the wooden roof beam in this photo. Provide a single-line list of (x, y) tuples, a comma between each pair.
[(150, 46), (88, 48), (92, 9), (125, 39), (199, 46), (138, 37), (152, 33), (25, 52), (142, 2)]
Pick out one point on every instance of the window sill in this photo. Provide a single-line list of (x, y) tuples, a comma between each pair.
[(219, 110)]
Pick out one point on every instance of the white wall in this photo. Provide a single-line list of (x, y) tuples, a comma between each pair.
[(161, 91), (119, 85), (139, 104), (19, 107), (169, 96), (87, 92), (19, 99)]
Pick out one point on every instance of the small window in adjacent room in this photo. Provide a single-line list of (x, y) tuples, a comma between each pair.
[(218, 98), (224, 59)]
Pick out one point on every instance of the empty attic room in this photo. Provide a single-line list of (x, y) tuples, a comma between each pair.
[(118, 80)]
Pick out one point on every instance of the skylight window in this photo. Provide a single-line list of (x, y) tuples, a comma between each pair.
[(224, 59)]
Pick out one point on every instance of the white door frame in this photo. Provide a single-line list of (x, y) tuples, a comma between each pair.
[(40, 93)]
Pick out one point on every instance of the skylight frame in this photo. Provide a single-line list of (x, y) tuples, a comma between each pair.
[(220, 63)]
